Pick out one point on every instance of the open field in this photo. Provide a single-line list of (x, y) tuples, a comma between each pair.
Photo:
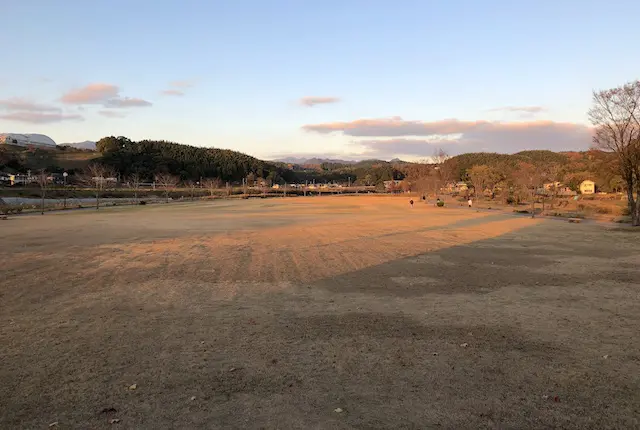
[(274, 313)]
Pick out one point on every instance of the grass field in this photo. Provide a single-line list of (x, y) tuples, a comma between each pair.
[(317, 312)]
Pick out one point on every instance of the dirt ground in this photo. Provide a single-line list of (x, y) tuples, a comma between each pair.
[(313, 313)]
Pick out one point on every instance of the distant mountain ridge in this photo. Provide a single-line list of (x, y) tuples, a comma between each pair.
[(313, 160), (87, 144), (318, 160)]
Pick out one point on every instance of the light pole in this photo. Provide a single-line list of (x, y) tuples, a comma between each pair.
[(64, 187)]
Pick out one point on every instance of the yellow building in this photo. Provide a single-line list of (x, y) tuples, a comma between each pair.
[(587, 187)]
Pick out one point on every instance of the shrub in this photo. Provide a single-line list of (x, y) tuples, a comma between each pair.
[(6, 210), (625, 211), (603, 210)]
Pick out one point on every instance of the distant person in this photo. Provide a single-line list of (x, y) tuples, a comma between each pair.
[(470, 202), (411, 202)]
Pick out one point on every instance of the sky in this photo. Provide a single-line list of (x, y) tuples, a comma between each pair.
[(351, 79)]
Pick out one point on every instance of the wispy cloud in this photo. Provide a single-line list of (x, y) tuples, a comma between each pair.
[(311, 101), (25, 110), (176, 88), (420, 137), (20, 104), (396, 126), (112, 114), (173, 93), (40, 117), (519, 109), (181, 84), (126, 102), (91, 94), (107, 95)]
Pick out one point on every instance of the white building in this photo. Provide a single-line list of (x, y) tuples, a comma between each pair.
[(27, 140)]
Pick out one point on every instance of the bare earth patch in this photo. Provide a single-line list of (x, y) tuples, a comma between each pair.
[(278, 313)]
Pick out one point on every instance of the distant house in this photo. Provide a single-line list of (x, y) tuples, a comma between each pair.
[(19, 179), (565, 192), (390, 185), (461, 186), (587, 187), (552, 186), (556, 189)]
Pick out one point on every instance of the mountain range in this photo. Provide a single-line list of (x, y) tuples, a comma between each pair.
[(87, 144), (314, 160)]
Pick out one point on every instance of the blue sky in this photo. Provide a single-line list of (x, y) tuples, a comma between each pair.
[(391, 78)]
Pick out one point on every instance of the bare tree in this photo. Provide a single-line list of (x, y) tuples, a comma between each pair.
[(212, 185), (97, 176), (448, 171), (528, 180), (425, 180), (615, 114), (480, 177), (250, 179), (483, 178), (440, 156), (134, 182), (167, 182), (42, 178), (192, 188)]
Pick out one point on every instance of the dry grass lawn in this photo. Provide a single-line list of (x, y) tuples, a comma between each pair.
[(318, 312)]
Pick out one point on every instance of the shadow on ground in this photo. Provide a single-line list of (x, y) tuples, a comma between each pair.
[(528, 330)]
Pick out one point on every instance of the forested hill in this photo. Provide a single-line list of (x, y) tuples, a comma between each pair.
[(536, 157), (571, 168), (149, 158)]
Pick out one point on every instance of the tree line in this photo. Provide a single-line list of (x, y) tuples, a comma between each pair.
[(149, 159)]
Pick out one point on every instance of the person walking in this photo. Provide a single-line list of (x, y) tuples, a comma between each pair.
[(470, 202), (411, 202)]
